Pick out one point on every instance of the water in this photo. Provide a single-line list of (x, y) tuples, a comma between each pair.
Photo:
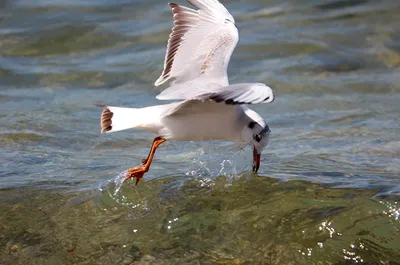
[(328, 186)]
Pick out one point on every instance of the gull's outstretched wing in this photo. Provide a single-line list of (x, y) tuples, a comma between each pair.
[(200, 45), (245, 93)]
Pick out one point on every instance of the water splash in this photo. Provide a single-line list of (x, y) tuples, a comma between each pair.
[(212, 162), (118, 181)]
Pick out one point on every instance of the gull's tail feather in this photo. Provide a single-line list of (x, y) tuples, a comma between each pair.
[(115, 119)]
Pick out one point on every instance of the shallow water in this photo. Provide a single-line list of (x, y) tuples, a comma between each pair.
[(327, 190)]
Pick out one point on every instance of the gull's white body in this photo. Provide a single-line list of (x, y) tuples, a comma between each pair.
[(188, 120), (198, 53)]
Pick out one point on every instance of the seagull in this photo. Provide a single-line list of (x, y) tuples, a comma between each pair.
[(205, 105)]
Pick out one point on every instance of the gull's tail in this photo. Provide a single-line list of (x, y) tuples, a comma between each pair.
[(115, 119)]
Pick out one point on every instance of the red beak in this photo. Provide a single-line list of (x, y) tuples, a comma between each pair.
[(256, 160)]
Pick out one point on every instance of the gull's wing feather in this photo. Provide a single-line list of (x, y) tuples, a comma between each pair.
[(201, 43), (189, 90), (245, 93), (196, 106)]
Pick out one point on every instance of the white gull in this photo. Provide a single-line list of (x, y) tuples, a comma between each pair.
[(198, 53)]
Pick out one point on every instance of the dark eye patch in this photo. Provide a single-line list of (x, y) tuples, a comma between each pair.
[(257, 137), (252, 124)]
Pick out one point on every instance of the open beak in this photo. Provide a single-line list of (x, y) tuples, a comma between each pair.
[(256, 160)]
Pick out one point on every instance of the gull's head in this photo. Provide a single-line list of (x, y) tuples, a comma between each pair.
[(256, 133)]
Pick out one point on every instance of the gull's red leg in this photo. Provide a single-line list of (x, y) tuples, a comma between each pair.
[(139, 171)]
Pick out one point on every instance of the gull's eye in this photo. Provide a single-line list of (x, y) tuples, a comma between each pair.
[(252, 124), (257, 137)]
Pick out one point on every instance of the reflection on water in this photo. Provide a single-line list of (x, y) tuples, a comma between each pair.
[(329, 180)]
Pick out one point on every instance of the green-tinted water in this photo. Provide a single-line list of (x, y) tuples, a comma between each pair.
[(254, 220)]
